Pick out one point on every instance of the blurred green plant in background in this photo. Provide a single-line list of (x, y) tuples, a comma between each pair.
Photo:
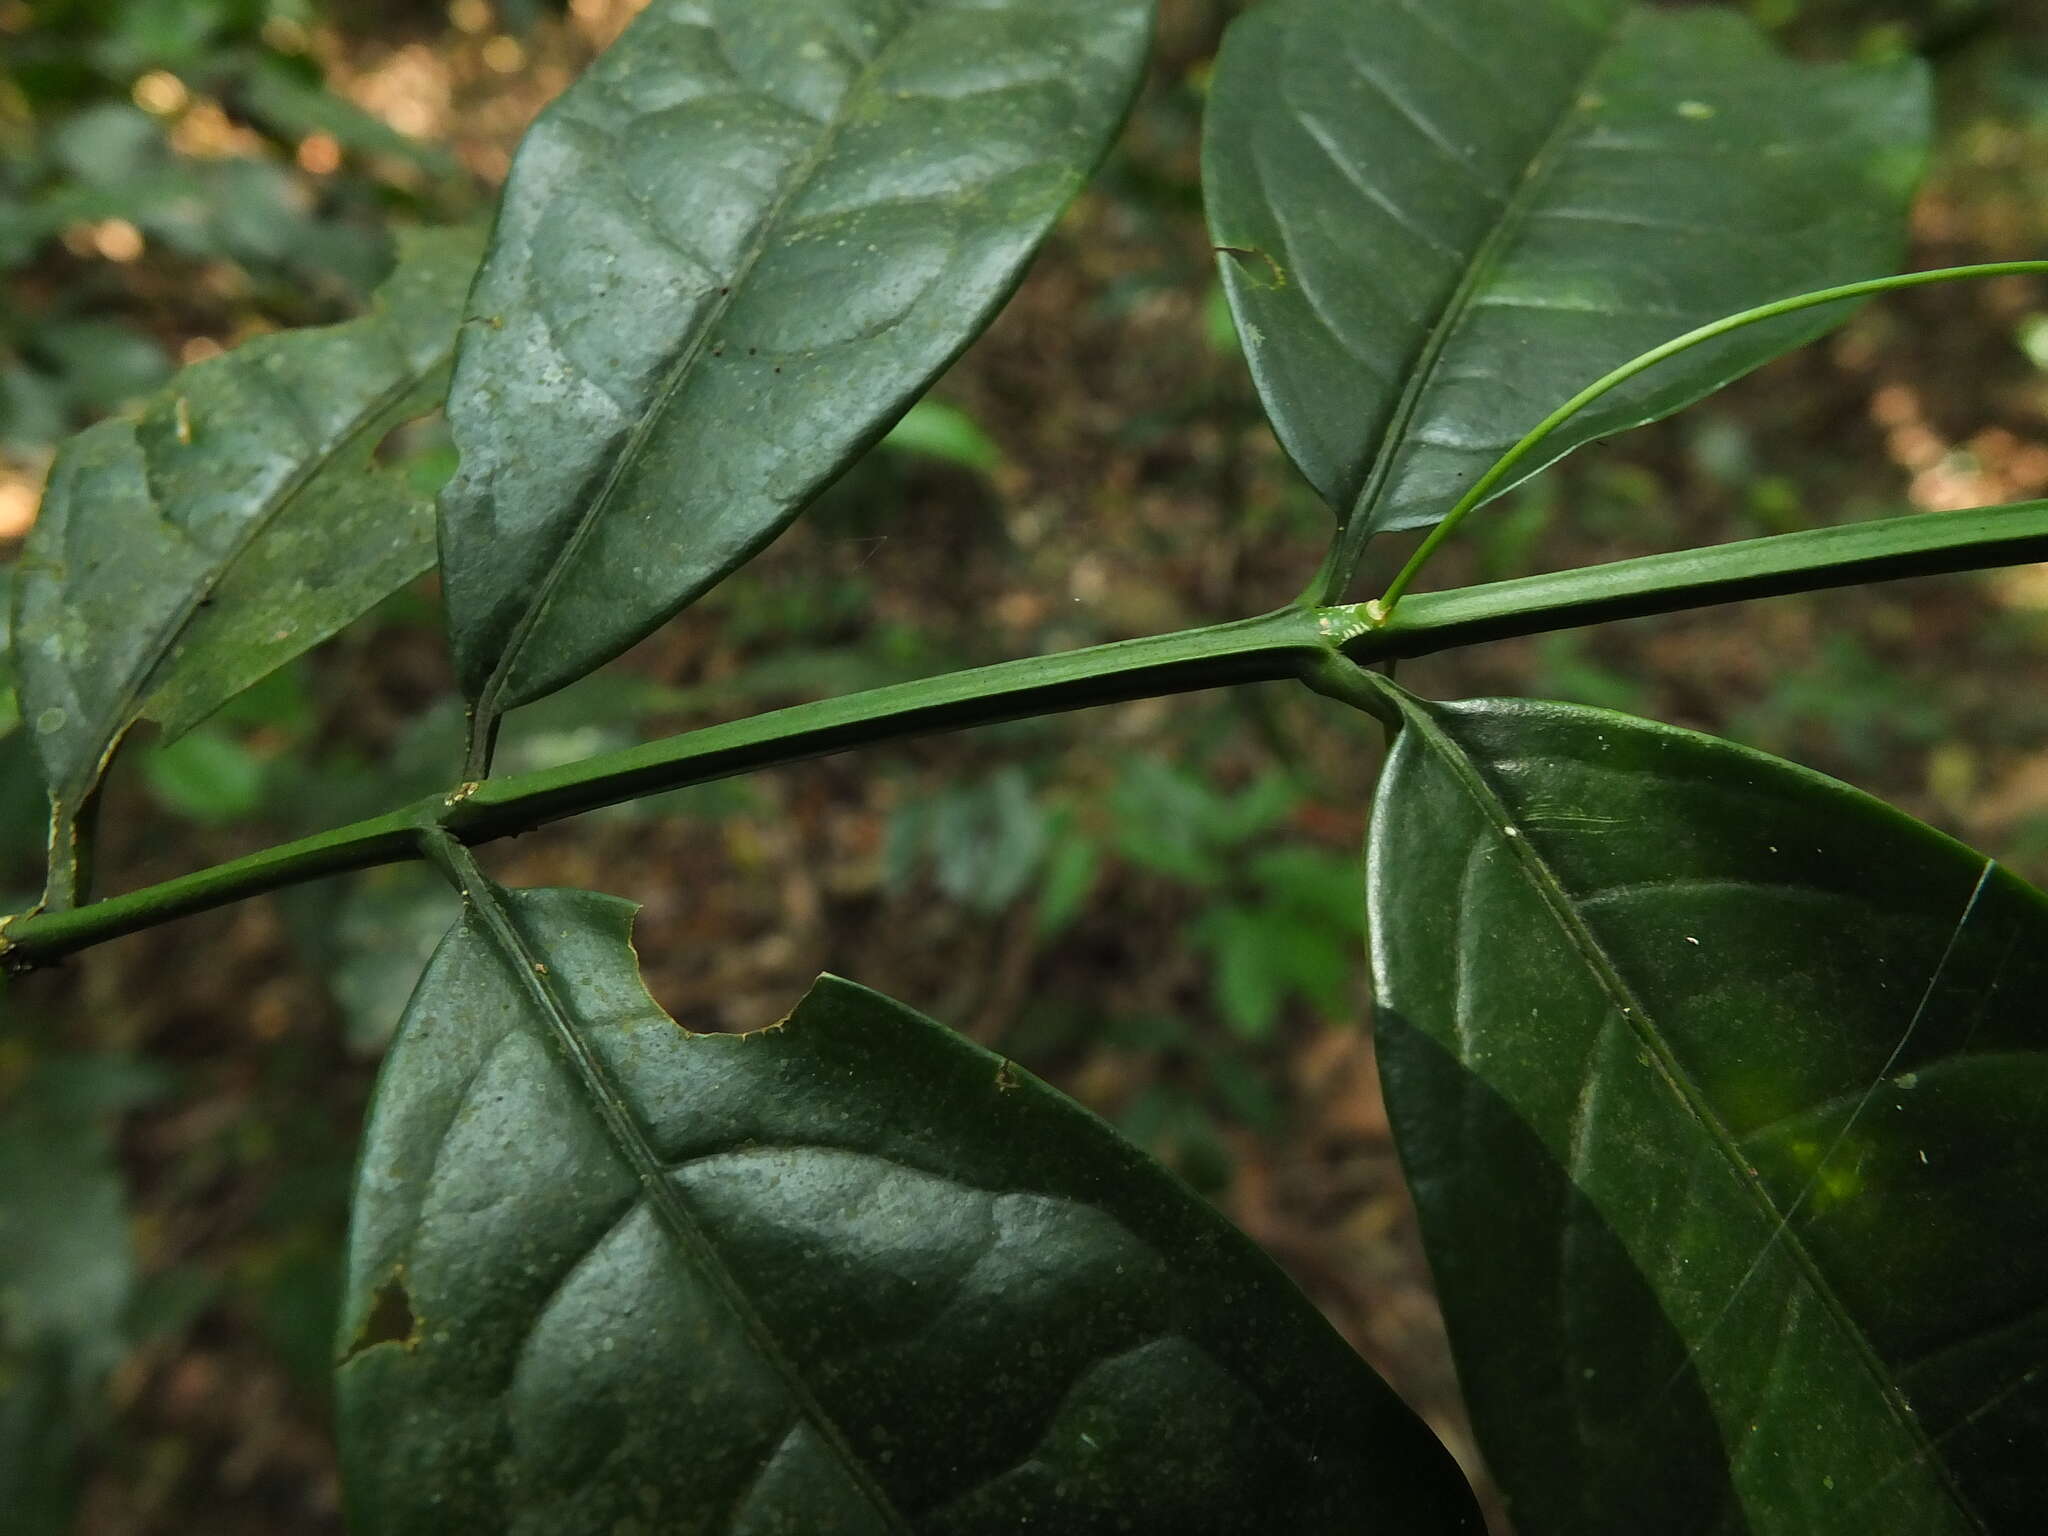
[(198, 134)]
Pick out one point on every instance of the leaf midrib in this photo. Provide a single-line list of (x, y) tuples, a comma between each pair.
[(68, 800), (1557, 902), (608, 1099), (679, 373), (1479, 267), (157, 650)]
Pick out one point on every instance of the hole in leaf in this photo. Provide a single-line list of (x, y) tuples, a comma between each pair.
[(419, 450), (405, 440), (390, 1320), (1260, 270)]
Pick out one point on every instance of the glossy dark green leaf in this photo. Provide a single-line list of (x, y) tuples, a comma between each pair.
[(849, 1273), (728, 259), (240, 519), (1440, 218), (1720, 1086)]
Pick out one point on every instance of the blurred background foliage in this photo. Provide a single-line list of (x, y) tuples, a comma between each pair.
[(1156, 905)]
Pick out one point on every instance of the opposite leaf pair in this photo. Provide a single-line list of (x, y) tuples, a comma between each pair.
[(1704, 1069)]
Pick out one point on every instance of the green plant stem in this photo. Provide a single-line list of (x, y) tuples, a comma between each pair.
[(1293, 642), (1268, 648), (1264, 649), (1920, 544), (1504, 466), (30, 941)]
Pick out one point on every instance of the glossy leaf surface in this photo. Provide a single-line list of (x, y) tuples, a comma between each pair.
[(236, 522), (1719, 1086), (728, 259), (1440, 218), (850, 1273)]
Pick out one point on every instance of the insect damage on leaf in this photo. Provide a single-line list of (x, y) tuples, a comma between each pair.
[(1262, 270), (390, 1320)]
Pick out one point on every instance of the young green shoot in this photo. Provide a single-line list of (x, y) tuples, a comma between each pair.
[(1381, 609)]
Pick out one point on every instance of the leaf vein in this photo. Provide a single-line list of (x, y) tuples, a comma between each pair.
[(1358, 525), (607, 1099), (677, 376), (1576, 932)]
